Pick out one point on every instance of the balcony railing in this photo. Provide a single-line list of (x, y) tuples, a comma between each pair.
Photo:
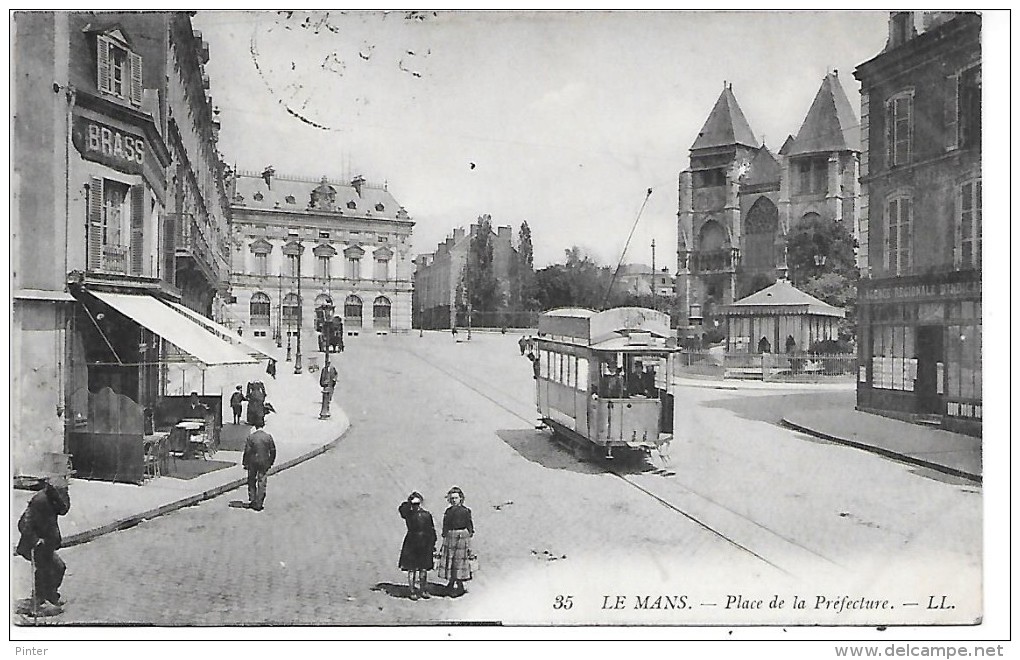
[(712, 260), (191, 243), (114, 259)]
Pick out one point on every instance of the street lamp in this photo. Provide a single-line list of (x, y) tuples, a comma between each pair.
[(300, 307), (288, 339), (279, 312)]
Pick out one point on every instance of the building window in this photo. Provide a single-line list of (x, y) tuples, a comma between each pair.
[(323, 234), (380, 207), (893, 357), (354, 268), (968, 230), (898, 235), (291, 311), (963, 362), (811, 176), (382, 269), (322, 268), (898, 129), (116, 227), (261, 263), (259, 310), (119, 71), (969, 118), (289, 199)]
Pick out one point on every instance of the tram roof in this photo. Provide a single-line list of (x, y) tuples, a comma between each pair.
[(595, 329)]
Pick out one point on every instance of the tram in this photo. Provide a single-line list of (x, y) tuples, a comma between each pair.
[(602, 378)]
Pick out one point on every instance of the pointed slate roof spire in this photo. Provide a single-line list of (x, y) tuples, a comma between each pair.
[(726, 124), (764, 168), (830, 124), (787, 145)]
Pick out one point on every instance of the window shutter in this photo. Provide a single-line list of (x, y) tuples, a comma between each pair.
[(137, 226), (95, 240), (906, 234), (890, 148), (957, 209), (103, 64), (169, 246), (886, 244), (136, 78), (952, 112), (909, 137)]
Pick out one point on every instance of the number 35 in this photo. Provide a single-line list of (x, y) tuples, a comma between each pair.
[(563, 603)]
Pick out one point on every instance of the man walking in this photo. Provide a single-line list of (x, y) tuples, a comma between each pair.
[(259, 456), (40, 539), (235, 404)]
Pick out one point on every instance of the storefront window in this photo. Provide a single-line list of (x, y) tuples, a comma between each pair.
[(893, 361)]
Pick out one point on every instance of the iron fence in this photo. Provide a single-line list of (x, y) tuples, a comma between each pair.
[(792, 367)]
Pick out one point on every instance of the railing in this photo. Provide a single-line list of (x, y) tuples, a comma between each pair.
[(115, 259), (190, 239), (792, 367), (713, 260)]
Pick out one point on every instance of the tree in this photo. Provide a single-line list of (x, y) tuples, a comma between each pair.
[(578, 282), (835, 281), (480, 278), (526, 268)]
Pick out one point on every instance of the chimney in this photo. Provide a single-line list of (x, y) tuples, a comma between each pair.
[(901, 28), (458, 234), (358, 182), (503, 233), (267, 176)]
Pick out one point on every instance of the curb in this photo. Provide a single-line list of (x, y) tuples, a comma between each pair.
[(191, 500), (905, 458)]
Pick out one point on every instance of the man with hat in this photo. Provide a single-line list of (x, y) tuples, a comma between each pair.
[(40, 539), (259, 455)]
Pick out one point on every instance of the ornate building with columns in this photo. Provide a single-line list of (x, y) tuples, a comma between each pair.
[(738, 200), (297, 243)]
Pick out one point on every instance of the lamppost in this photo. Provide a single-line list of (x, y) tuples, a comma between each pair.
[(279, 312), (288, 339), (300, 307)]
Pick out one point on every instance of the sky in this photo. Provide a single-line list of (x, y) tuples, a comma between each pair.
[(560, 119)]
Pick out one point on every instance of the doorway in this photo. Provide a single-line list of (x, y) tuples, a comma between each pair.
[(930, 370)]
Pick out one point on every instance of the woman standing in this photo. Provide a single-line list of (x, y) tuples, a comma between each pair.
[(419, 545), (457, 532)]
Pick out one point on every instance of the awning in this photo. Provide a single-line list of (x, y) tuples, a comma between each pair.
[(176, 328), (222, 331)]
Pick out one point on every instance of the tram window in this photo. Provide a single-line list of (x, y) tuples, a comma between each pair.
[(570, 370), (543, 361), (582, 374)]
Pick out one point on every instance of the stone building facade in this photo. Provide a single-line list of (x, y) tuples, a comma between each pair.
[(738, 200), (297, 242), (94, 113), (439, 274), (919, 301)]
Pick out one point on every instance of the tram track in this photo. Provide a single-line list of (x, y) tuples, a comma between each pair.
[(792, 552)]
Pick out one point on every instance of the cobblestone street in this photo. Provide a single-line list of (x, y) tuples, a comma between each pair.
[(429, 413)]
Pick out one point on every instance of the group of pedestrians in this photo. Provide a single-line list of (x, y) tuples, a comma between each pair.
[(418, 553)]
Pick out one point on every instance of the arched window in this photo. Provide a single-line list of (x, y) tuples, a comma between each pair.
[(291, 309), (760, 235), (712, 237), (259, 310), (381, 313), (352, 312)]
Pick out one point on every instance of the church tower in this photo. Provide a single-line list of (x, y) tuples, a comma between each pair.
[(708, 240)]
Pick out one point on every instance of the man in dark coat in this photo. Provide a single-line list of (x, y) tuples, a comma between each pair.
[(259, 456), (40, 538), (236, 399)]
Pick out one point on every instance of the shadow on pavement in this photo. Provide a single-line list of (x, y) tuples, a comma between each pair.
[(772, 409), (403, 591), (540, 447)]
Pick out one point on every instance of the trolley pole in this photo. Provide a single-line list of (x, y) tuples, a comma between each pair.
[(653, 274)]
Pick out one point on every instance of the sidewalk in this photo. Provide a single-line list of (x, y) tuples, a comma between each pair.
[(100, 507), (950, 453)]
